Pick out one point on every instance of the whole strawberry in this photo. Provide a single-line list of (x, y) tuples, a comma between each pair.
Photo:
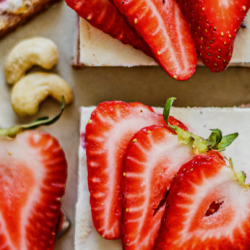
[(214, 24)]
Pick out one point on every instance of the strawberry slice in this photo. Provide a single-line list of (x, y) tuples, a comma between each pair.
[(162, 26), (153, 158), (214, 25), (208, 207), (103, 15), (33, 173), (111, 127)]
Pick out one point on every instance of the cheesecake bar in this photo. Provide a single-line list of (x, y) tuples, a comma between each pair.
[(96, 48), (199, 121)]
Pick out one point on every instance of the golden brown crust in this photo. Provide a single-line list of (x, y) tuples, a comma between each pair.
[(11, 19)]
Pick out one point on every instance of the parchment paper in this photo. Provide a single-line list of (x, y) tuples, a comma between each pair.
[(149, 85)]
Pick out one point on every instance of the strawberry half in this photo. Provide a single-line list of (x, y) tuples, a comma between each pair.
[(164, 29), (214, 25), (153, 158), (33, 174), (103, 15), (208, 207), (110, 128)]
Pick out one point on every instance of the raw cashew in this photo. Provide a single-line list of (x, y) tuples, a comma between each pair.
[(35, 51), (34, 88)]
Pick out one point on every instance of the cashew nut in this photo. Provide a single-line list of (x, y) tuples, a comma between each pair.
[(35, 51), (34, 88)]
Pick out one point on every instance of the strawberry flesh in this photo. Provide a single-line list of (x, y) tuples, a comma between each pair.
[(111, 127), (33, 173), (214, 25), (149, 166), (163, 28), (202, 184), (103, 15)]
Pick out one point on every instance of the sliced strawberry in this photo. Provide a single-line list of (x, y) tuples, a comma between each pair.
[(162, 26), (214, 25), (208, 207), (153, 158), (103, 15), (33, 173), (111, 127)]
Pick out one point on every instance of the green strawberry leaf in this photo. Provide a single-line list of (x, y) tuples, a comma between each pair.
[(215, 137), (200, 145), (166, 111), (227, 140)]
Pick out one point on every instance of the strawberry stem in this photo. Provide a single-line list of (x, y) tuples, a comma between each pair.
[(43, 121), (200, 145), (241, 176)]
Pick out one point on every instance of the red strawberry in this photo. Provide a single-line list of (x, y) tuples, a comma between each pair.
[(214, 25), (103, 15), (208, 207), (162, 26), (33, 173), (153, 158), (111, 127)]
